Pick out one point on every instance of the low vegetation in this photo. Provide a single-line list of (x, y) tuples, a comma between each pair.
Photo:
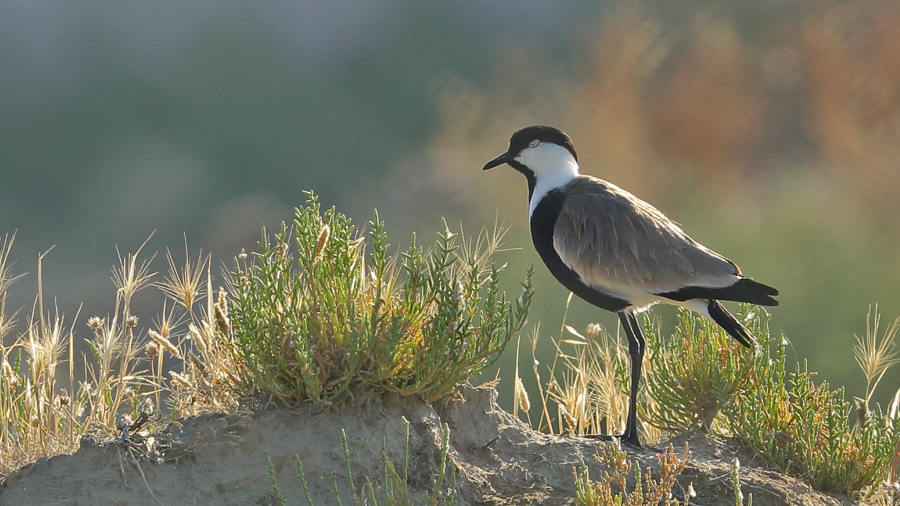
[(612, 487), (699, 378), (313, 322), (309, 317), (323, 309)]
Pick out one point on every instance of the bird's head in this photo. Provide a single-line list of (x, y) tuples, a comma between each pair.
[(541, 153)]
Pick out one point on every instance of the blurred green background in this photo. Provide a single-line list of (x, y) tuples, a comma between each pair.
[(770, 130)]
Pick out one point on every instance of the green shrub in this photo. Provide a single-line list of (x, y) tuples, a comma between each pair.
[(701, 378), (312, 321), (804, 429), (693, 374)]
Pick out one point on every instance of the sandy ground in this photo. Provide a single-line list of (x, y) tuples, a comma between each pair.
[(221, 460)]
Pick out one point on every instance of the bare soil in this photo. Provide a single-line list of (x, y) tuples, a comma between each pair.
[(222, 460)]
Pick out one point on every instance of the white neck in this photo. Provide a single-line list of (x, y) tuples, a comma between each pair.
[(553, 166)]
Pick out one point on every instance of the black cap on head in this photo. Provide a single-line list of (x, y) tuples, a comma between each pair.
[(522, 138)]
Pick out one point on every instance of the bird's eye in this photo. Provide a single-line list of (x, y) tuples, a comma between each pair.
[(534, 143)]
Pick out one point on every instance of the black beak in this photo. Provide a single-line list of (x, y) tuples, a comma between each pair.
[(500, 160)]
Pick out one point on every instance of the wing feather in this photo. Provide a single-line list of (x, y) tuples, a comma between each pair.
[(616, 241)]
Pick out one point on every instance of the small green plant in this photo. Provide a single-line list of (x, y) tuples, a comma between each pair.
[(314, 314), (804, 429), (612, 487), (697, 371), (736, 484), (393, 490), (279, 496), (700, 378)]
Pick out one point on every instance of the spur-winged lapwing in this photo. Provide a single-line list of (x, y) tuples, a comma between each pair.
[(618, 252)]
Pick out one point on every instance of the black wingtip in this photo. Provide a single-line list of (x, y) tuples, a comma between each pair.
[(727, 321), (763, 288), (744, 290)]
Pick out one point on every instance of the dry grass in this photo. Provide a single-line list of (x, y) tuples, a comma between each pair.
[(126, 373), (37, 419), (873, 354), (584, 388)]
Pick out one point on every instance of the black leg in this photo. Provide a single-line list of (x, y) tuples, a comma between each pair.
[(636, 351)]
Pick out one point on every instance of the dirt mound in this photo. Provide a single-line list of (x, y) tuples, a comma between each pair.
[(222, 460)]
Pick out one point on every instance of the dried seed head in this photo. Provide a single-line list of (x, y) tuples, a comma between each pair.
[(570, 420), (322, 242), (9, 376), (96, 323), (62, 400), (152, 350), (199, 337), (223, 323), (593, 330), (180, 379), (552, 386), (242, 255), (148, 406), (862, 411), (131, 320), (522, 395), (162, 341)]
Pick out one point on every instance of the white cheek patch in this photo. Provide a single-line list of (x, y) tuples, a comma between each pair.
[(553, 166)]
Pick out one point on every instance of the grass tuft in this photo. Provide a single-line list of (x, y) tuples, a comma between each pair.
[(43, 415), (875, 356), (586, 382), (321, 309)]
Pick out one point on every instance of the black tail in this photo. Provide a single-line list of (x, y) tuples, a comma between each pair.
[(728, 322), (745, 290)]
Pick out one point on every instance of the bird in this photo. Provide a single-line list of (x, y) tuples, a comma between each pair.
[(618, 252)]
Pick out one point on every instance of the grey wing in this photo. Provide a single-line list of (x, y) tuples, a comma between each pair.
[(614, 240)]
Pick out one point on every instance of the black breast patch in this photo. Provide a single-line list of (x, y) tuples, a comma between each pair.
[(542, 221)]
